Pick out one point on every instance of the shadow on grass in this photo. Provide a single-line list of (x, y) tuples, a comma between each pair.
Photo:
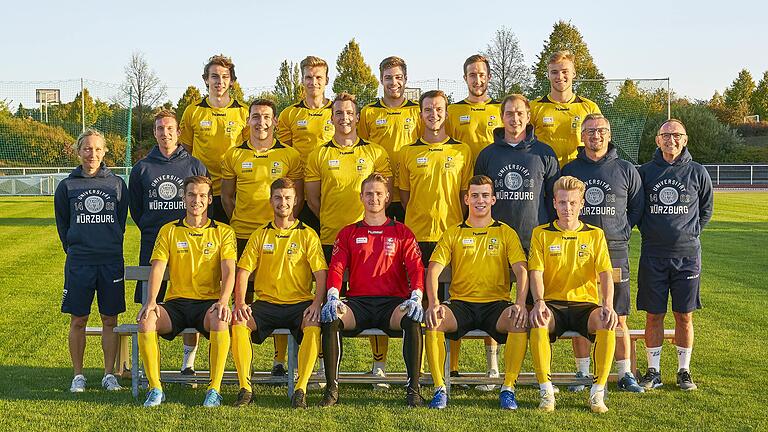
[(27, 222)]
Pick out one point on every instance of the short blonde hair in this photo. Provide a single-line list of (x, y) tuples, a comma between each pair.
[(87, 133), (312, 61), (373, 177), (516, 97), (559, 56), (569, 183)]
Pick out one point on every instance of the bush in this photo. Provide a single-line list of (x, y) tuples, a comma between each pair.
[(753, 129), (25, 142)]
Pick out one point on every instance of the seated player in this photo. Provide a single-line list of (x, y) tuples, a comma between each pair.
[(480, 252), (285, 254), (567, 259), (201, 254), (386, 283)]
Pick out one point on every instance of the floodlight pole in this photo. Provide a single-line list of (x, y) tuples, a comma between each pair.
[(669, 101), (82, 104)]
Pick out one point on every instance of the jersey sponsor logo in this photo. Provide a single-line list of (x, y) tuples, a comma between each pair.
[(209, 248), (390, 246), (548, 121), (182, 245), (576, 122), (449, 163), (301, 123), (361, 240), (421, 161), (565, 237), (333, 164), (381, 122), (554, 248), (206, 123), (361, 166), (464, 119), (468, 241), (277, 169), (374, 232), (247, 165), (268, 248), (493, 246)]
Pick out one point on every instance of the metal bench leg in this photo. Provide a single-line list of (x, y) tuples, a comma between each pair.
[(447, 367), (293, 350), (135, 365)]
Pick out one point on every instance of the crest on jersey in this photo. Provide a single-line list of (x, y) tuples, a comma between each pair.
[(594, 196), (667, 196), (513, 180), (94, 204), (167, 190)]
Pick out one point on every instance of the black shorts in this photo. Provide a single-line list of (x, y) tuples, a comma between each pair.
[(241, 243), (621, 296), (396, 211), (373, 312), (477, 316), (82, 282), (186, 313), (216, 210), (309, 219), (271, 316), (145, 256), (658, 278), (573, 316)]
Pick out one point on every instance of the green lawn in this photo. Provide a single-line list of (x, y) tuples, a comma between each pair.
[(728, 361)]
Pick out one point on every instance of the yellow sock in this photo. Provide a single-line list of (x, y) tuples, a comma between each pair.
[(308, 350), (242, 354), (218, 358), (150, 355), (541, 353), (281, 348), (435, 344), (514, 354), (455, 350), (605, 345), (379, 347)]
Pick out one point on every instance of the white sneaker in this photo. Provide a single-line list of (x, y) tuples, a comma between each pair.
[(379, 372), (78, 384), (489, 387), (109, 382), (597, 403), (547, 402)]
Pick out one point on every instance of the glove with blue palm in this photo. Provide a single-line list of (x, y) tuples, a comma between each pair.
[(412, 307), (332, 307)]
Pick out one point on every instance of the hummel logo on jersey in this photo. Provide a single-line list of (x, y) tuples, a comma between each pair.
[(219, 115), (195, 235), (480, 233), (315, 115), (375, 232), (569, 238), (477, 109), (562, 109), (393, 113)]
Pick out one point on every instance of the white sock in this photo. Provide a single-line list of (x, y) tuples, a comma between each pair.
[(683, 357), (441, 388), (595, 389), (380, 365), (654, 358), (582, 365), (507, 388), (623, 367), (546, 387), (491, 359), (189, 357)]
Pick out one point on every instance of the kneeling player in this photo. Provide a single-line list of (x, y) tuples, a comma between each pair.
[(386, 281), (480, 252), (565, 258), (201, 254), (284, 253)]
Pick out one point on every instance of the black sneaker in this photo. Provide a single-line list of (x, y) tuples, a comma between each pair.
[(413, 399), (651, 379), (456, 374), (330, 398), (278, 370), (188, 371), (684, 380), (243, 398), (299, 399)]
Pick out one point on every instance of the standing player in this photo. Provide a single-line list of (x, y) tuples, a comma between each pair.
[(557, 116), (480, 252), (201, 255), (678, 204), (614, 202), (157, 197), (91, 207), (567, 259), (285, 254), (213, 125), (386, 283), (247, 172), (472, 122)]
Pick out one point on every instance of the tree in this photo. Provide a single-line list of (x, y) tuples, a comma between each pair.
[(738, 95), (758, 103), (236, 92), (191, 95), (288, 88), (509, 74), (354, 75), (717, 105), (565, 36), (145, 87)]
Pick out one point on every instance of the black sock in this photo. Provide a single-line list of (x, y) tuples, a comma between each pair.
[(412, 348), (332, 350)]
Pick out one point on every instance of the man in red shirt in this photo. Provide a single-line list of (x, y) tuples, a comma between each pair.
[(386, 285)]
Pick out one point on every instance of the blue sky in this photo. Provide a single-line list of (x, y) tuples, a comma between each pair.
[(701, 48)]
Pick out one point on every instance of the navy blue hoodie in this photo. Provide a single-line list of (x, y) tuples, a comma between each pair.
[(156, 192), (614, 197), (678, 204), (90, 216), (523, 177)]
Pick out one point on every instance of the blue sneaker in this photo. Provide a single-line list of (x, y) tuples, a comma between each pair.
[(628, 383), (507, 400), (212, 399), (439, 400), (155, 397)]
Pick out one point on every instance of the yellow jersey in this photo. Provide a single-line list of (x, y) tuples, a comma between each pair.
[(304, 128), (559, 124), (473, 123)]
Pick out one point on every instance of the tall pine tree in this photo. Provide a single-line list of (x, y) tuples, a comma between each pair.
[(354, 75), (288, 88), (759, 100)]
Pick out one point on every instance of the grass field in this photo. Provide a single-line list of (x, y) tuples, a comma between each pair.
[(728, 362)]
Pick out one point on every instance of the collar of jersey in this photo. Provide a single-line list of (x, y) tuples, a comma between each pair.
[(557, 227), (208, 224), (208, 102), (486, 102), (466, 224), (434, 144), (338, 146), (250, 146), (570, 101), (293, 226), (326, 105)]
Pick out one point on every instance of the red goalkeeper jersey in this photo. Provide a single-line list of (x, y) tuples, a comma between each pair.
[(383, 260)]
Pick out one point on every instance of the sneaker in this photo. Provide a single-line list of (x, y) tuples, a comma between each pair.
[(244, 397), (628, 383), (577, 387), (78, 384), (684, 380), (413, 398), (547, 402), (188, 371), (651, 379), (507, 400), (456, 374), (109, 382), (379, 372), (155, 397), (489, 387), (439, 400), (299, 399), (212, 399), (278, 370), (330, 398), (597, 403)]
